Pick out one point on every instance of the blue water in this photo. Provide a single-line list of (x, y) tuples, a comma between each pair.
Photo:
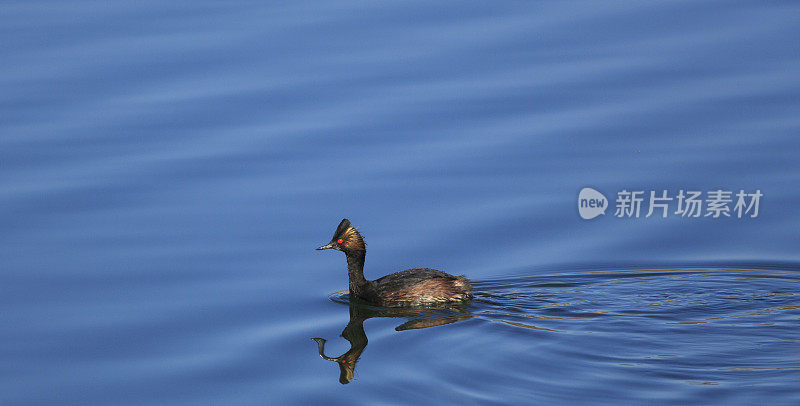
[(166, 170)]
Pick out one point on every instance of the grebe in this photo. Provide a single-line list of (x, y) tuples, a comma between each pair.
[(412, 287)]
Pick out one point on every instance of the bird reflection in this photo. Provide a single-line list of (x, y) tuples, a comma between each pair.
[(355, 334)]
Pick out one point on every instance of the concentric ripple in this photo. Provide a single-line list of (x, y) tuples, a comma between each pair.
[(691, 335)]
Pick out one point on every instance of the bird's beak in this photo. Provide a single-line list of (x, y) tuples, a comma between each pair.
[(326, 246)]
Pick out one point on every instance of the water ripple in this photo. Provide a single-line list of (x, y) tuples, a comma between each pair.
[(600, 332)]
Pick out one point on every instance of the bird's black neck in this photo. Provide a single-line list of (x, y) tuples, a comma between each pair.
[(355, 271)]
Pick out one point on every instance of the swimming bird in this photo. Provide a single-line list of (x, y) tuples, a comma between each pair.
[(411, 287)]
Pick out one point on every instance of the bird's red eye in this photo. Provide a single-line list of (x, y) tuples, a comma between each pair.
[(340, 241)]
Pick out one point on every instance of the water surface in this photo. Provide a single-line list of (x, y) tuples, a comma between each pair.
[(166, 170)]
